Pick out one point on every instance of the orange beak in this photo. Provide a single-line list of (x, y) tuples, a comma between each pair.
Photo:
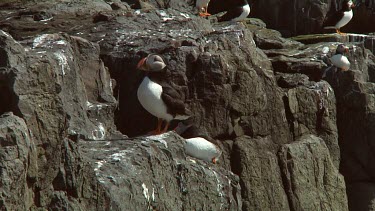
[(353, 5), (346, 50), (214, 160), (141, 64)]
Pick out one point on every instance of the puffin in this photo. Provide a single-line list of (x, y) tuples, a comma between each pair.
[(198, 144), (157, 96), (339, 59), (202, 6), (201, 148), (238, 13), (341, 17)]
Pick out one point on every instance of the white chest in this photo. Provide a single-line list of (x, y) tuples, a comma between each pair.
[(345, 19), (149, 95), (244, 14), (340, 61), (202, 149)]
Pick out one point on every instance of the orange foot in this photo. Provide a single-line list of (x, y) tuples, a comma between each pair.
[(339, 32), (157, 131), (204, 14)]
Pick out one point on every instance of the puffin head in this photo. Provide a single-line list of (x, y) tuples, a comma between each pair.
[(348, 4), (152, 63), (341, 49), (219, 152)]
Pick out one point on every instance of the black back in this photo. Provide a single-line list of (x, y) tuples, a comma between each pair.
[(172, 96), (335, 17), (231, 14)]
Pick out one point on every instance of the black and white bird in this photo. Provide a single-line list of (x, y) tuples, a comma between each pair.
[(157, 96), (239, 12), (198, 144), (340, 18), (339, 59), (201, 148), (202, 6)]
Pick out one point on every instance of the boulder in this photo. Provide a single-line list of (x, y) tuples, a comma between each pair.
[(17, 163), (256, 162), (154, 173), (310, 179)]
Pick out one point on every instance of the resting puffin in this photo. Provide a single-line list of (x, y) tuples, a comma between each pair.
[(339, 60), (202, 5), (201, 148), (156, 96), (341, 17), (198, 144), (238, 13)]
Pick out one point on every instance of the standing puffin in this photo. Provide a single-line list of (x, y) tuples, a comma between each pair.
[(156, 96), (202, 5), (341, 17), (238, 13), (339, 60)]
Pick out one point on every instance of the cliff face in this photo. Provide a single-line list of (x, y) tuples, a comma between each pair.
[(68, 82)]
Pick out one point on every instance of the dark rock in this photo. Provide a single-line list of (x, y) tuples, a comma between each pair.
[(214, 82), (255, 161), (120, 6), (102, 17), (159, 176), (310, 109), (42, 16), (291, 80), (271, 39), (317, 38), (366, 40), (306, 17), (258, 94), (53, 95), (17, 163), (292, 17), (304, 180)]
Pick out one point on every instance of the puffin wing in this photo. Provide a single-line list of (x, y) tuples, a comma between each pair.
[(173, 100), (333, 19), (231, 14)]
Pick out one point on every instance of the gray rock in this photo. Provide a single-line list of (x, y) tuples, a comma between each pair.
[(260, 101), (18, 155), (310, 179), (154, 173), (311, 110), (256, 162)]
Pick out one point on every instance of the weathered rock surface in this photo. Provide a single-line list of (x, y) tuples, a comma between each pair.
[(154, 173), (255, 161), (259, 94), (18, 157), (306, 17), (311, 180)]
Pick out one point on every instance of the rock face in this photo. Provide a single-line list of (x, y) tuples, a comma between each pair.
[(18, 156), (68, 78), (316, 188), (153, 173), (293, 17)]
